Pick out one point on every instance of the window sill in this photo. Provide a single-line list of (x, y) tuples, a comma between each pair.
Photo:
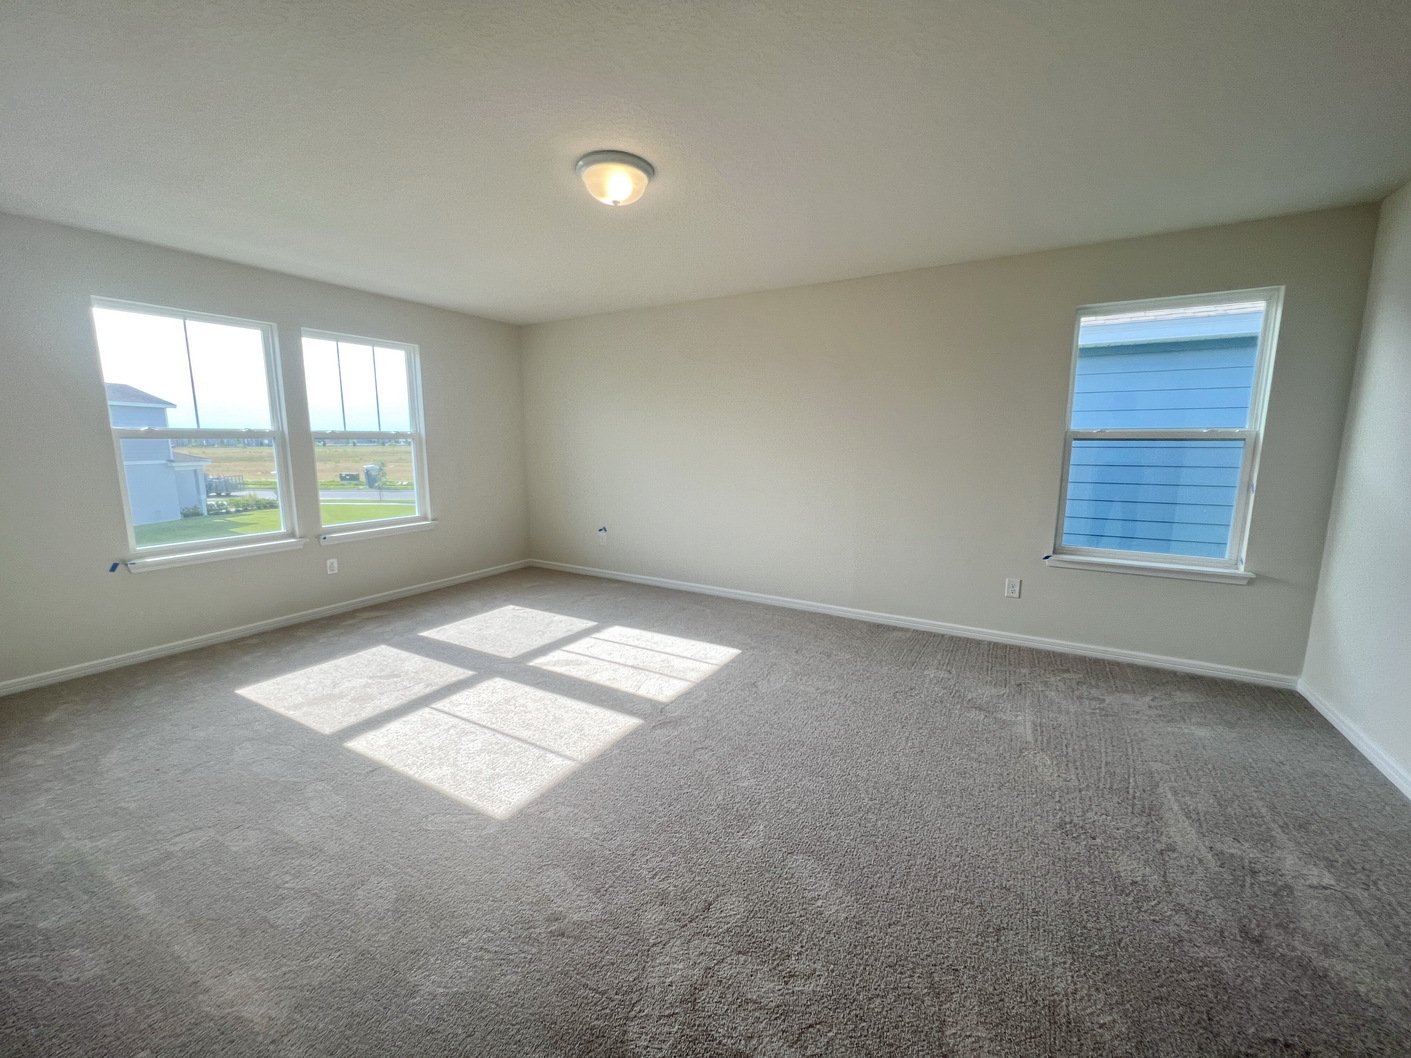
[(149, 563), (1150, 569), (340, 536)]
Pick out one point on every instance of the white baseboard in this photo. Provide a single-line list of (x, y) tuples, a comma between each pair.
[(1135, 657), (87, 668), (1396, 773)]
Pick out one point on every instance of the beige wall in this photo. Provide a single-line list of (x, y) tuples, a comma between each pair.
[(62, 524), (893, 443), (890, 444), (1359, 650)]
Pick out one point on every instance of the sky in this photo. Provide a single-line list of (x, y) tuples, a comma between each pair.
[(219, 385), (215, 374)]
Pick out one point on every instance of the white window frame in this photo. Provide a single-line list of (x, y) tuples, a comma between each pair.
[(159, 555), (1232, 567), (422, 518)]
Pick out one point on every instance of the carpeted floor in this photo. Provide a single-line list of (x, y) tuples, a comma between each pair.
[(550, 830)]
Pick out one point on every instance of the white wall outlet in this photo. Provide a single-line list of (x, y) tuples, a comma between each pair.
[(603, 536), (1011, 588), (333, 565)]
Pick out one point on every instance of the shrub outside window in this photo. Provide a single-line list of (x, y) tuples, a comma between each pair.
[(195, 410), (1165, 423), (364, 402)]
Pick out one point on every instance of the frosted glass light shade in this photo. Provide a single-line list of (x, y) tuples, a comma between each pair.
[(615, 178)]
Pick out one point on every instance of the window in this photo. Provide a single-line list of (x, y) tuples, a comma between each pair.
[(195, 412), (365, 414), (1164, 430)]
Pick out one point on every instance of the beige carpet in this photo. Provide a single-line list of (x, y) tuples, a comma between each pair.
[(550, 815)]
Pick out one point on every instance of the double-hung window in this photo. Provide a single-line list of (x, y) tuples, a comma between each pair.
[(194, 405), (1166, 414), (365, 414)]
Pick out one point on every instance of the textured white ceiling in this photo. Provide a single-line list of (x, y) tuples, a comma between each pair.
[(425, 148)]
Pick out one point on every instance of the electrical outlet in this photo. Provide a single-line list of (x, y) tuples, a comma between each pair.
[(603, 536), (333, 565), (1011, 588)]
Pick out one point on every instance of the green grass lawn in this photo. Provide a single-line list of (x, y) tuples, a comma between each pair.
[(339, 513), (221, 526), (209, 527)]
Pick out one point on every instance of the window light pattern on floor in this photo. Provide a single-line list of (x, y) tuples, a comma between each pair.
[(347, 691), (497, 745), (647, 664), (493, 743), (509, 631)]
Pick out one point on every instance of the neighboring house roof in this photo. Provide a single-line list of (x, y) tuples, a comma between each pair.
[(186, 457), (118, 393)]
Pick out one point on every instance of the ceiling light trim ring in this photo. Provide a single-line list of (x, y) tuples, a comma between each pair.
[(620, 157)]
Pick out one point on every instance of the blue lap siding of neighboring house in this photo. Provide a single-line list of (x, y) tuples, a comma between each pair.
[(160, 481), (1173, 497)]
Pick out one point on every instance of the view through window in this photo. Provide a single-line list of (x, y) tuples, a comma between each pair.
[(194, 403), (365, 414), (189, 402), (1163, 438)]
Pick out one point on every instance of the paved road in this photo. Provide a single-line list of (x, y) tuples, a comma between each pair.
[(346, 495)]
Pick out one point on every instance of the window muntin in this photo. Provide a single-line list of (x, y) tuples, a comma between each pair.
[(192, 402), (365, 415), (1167, 405)]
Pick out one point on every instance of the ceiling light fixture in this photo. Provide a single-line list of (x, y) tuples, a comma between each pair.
[(615, 178)]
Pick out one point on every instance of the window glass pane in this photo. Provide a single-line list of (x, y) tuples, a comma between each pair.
[(1167, 368), (359, 386), (1166, 497), (393, 401), (354, 386), (228, 376), (365, 480), (321, 381), (145, 368), (203, 490), (162, 371)]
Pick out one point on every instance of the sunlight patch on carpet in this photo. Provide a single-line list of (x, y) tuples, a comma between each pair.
[(509, 631), (648, 664), (495, 746), (566, 726), (335, 694)]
